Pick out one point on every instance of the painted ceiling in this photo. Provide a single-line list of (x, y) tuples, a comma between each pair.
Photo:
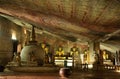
[(74, 20)]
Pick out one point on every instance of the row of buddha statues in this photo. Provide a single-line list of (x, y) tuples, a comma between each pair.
[(59, 52)]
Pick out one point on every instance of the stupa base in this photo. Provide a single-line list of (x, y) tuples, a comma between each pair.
[(33, 69)]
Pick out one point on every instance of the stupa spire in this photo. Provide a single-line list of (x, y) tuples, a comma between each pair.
[(33, 34), (33, 37)]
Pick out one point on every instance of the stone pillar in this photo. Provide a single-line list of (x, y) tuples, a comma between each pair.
[(91, 53), (98, 52), (94, 48)]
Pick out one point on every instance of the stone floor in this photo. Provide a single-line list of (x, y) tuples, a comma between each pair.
[(75, 75)]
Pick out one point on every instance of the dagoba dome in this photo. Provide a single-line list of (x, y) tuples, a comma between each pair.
[(32, 54)]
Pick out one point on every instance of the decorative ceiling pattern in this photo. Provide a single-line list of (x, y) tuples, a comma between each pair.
[(73, 20)]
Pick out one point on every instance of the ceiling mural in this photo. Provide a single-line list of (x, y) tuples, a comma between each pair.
[(74, 20)]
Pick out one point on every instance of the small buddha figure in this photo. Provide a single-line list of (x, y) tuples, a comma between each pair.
[(85, 56), (60, 51), (18, 58), (43, 45), (105, 55), (46, 49), (14, 57), (32, 56), (48, 54)]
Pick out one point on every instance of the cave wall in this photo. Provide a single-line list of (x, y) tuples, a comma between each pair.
[(7, 28)]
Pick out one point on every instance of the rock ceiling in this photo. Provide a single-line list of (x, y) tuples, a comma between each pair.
[(74, 20)]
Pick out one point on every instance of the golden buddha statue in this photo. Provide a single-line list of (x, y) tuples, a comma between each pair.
[(48, 54), (74, 50), (105, 55), (60, 51), (43, 45)]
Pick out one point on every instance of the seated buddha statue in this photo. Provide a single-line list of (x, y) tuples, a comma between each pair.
[(60, 51), (74, 50)]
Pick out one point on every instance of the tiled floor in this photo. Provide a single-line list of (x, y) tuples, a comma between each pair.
[(75, 75)]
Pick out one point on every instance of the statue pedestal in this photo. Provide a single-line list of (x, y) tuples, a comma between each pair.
[(33, 69), (31, 64), (108, 62), (48, 65), (13, 64)]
